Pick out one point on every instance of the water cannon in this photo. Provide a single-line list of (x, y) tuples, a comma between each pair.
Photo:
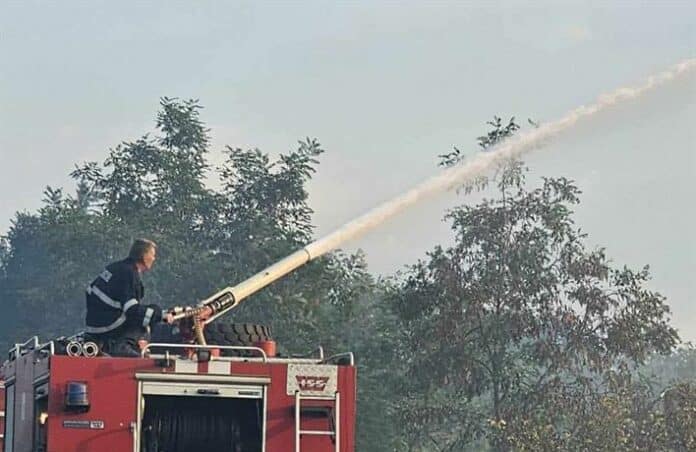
[(228, 298)]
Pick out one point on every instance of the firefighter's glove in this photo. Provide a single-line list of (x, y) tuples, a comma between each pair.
[(206, 313)]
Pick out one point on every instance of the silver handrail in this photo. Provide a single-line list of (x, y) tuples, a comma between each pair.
[(50, 345), (319, 350), (144, 351), (340, 355), (17, 349), (79, 334)]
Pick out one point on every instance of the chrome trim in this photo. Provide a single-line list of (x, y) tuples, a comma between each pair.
[(319, 349), (264, 427), (336, 397), (203, 347), (143, 377), (140, 408), (41, 379), (19, 347), (340, 355), (337, 421), (202, 378), (297, 421), (214, 390), (90, 349), (317, 397), (50, 345), (73, 348), (241, 359)]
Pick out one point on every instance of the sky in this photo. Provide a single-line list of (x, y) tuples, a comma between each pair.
[(385, 87)]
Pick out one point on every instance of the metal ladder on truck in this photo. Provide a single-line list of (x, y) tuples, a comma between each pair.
[(336, 399)]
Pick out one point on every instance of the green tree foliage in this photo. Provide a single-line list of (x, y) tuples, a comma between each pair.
[(517, 337), (518, 311), (155, 187), (668, 370)]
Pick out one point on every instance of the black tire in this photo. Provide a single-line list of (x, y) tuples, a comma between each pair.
[(239, 334), (165, 334)]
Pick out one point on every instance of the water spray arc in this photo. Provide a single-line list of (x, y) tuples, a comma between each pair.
[(230, 297)]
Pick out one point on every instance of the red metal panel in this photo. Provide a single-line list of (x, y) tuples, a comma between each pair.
[(280, 434), (281, 415), (113, 397), (347, 379), (280, 427)]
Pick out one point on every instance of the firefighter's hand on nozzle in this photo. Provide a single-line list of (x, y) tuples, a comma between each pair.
[(206, 313), (203, 313)]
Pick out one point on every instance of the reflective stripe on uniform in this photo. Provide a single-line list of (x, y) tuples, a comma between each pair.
[(129, 304), (103, 297), (105, 329), (113, 303), (148, 316)]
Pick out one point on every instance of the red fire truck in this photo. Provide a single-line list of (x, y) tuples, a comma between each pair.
[(65, 396), (173, 402)]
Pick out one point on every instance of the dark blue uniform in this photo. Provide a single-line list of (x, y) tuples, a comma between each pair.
[(116, 318)]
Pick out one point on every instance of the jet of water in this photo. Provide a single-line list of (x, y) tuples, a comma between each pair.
[(483, 162)]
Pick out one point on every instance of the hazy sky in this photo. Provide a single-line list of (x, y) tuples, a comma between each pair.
[(386, 87)]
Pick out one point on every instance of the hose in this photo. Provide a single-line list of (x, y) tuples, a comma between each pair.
[(90, 349), (183, 424), (74, 348)]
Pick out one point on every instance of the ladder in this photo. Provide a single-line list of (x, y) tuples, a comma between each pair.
[(336, 399)]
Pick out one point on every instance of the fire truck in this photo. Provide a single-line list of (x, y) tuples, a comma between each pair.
[(189, 395)]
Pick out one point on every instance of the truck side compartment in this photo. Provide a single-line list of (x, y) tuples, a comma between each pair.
[(59, 403)]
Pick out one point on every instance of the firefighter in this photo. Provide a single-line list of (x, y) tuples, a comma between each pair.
[(116, 317)]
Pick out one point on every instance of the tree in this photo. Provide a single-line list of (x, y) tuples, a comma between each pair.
[(517, 310), (155, 187)]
